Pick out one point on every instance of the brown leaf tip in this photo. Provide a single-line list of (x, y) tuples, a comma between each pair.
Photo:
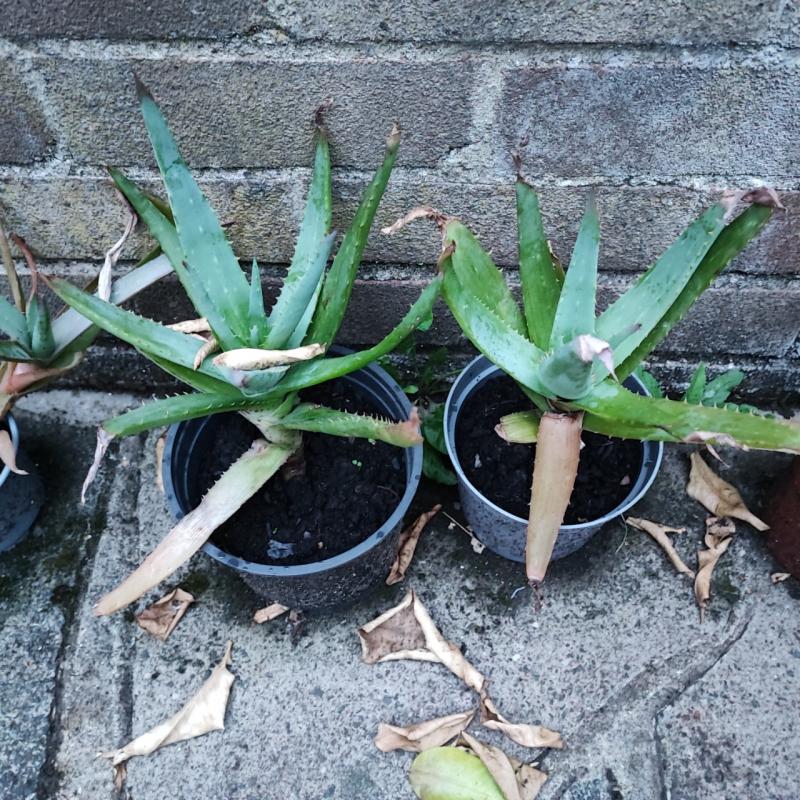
[(319, 114)]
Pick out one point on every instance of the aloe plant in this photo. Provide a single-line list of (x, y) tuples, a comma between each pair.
[(571, 364), (39, 349), (264, 359)]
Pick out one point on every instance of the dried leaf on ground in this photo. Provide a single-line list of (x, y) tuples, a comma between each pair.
[(717, 495), (423, 735), (204, 713), (780, 577), (408, 632), (659, 533), (408, 544), (7, 454), (160, 618), (525, 735), (717, 539), (160, 444), (269, 613), (517, 781)]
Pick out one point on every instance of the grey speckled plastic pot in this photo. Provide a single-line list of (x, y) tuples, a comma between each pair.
[(502, 532), (21, 496), (335, 581)]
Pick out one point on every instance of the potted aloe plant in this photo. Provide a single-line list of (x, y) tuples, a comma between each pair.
[(555, 375), (37, 351), (325, 527)]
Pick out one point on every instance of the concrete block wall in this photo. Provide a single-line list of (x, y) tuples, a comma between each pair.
[(656, 105)]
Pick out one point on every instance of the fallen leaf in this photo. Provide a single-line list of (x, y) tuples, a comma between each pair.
[(8, 455), (296, 623), (720, 527), (160, 618), (160, 444), (408, 632), (269, 613), (525, 735), (780, 577), (717, 495), (204, 713), (408, 544), (706, 561), (450, 773), (517, 781), (659, 533), (423, 735)]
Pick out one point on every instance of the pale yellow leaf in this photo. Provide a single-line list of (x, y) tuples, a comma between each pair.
[(659, 533), (423, 735), (8, 455), (160, 618), (522, 734), (247, 358), (269, 613), (516, 780)]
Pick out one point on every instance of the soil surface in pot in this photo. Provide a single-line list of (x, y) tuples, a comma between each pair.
[(347, 489), (502, 472)]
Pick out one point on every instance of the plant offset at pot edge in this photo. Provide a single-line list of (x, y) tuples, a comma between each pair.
[(265, 359), (570, 364)]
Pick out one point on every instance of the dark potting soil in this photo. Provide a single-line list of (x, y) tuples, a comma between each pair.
[(502, 472), (348, 488)]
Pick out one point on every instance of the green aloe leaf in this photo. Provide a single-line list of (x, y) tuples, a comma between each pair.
[(575, 310), (689, 423), (202, 238), (480, 277), (448, 773), (434, 466), (41, 333), (433, 427), (12, 322), (649, 380), (255, 312), (697, 385), (319, 419), (661, 297), (196, 379), (338, 284), (540, 274), (718, 390), (311, 253), (14, 351)]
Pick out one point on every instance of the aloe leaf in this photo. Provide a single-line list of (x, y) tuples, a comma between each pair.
[(649, 381), (718, 390), (255, 312), (168, 410), (41, 334), (520, 427), (319, 419), (167, 237), (12, 322), (670, 287), (310, 254), (144, 334), (195, 379), (236, 486), (435, 468), (540, 274), (448, 773), (575, 311), (480, 277), (202, 238), (338, 284), (14, 351), (697, 385), (320, 370), (500, 343), (690, 423), (433, 428)]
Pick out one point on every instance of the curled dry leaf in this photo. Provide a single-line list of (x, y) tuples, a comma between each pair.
[(204, 713), (247, 358), (209, 346), (659, 534), (717, 539), (717, 495), (8, 455), (160, 618), (199, 325), (103, 441), (780, 577), (424, 735), (408, 544), (269, 613), (160, 444), (525, 735), (408, 632)]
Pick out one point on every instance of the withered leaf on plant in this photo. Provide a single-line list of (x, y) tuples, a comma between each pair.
[(423, 735), (522, 734), (718, 496), (408, 544), (7, 454), (160, 444), (270, 612), (659, 533), (160, 618), (205, 712)]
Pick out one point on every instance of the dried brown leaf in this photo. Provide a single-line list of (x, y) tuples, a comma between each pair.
[(160, 445), (8, 455), (408, 544), (522, 734), (423, 735), (269, 613), (205, 712), (720, 527), (706, 561), (408, 632), (199, 325), (780, 577), (209, 346), (659, 533), (160, 618), (717, 495)]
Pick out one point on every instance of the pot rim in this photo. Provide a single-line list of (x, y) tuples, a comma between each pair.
[(413, 460), (458, 389), (13, 429)]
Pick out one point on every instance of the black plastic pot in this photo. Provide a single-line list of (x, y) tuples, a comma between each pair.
[(335, 581), (21, 496), (503, 532)]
